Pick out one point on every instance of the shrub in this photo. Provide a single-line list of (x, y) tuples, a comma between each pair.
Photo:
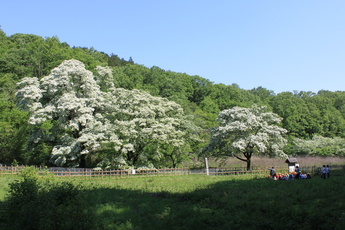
[(37, 202)]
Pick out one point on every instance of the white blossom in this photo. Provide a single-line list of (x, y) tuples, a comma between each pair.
[(246, 131), (88, 113)]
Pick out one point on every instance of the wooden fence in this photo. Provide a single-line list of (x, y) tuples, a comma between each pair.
[(10, 170), (88, 172)]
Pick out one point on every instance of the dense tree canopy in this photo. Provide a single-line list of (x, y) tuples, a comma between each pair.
[(13, 128)]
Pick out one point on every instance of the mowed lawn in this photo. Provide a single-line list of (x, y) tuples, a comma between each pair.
[(213, 202)]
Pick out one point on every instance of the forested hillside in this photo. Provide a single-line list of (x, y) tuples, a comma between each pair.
[(315, 121)]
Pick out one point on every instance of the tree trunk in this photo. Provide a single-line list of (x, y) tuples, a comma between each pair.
[(82, 161), (248, 156), (248, 164), (246, 159)]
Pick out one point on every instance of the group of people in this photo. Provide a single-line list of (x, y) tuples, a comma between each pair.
[(296, 176), (325, 171)]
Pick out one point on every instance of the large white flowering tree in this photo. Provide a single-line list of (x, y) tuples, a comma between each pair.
[(244, 132), (151, 129), (78, 113)]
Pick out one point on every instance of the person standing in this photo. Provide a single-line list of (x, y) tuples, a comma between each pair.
[(273, 173), (327, 171), (298, 172), (323, 172)]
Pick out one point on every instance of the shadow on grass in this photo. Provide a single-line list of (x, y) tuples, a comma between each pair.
[(242, 204)]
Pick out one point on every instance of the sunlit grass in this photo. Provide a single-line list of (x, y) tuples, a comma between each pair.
[(4, 182)]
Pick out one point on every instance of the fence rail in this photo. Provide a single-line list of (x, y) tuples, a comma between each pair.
[(72, 172)]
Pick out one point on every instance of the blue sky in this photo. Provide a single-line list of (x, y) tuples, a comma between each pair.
[(281, 45)]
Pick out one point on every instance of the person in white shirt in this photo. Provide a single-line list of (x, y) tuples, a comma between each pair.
[(323, 172), (327, 171)]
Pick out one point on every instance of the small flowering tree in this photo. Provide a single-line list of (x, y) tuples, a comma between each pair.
[(78, 113), (244, 132)]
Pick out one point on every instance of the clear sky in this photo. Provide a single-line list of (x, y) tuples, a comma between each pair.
[(281, 45)]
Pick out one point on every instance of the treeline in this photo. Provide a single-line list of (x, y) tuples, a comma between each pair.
[(305, 114)]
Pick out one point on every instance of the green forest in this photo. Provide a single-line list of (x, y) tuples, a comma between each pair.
[(315, 121)]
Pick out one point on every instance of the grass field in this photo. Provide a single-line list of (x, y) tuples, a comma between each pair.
[(212, 202)]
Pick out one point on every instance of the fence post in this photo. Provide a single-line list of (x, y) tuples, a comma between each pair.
[(207, 170)]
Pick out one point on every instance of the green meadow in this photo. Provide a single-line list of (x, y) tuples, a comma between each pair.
[(177, 202)]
